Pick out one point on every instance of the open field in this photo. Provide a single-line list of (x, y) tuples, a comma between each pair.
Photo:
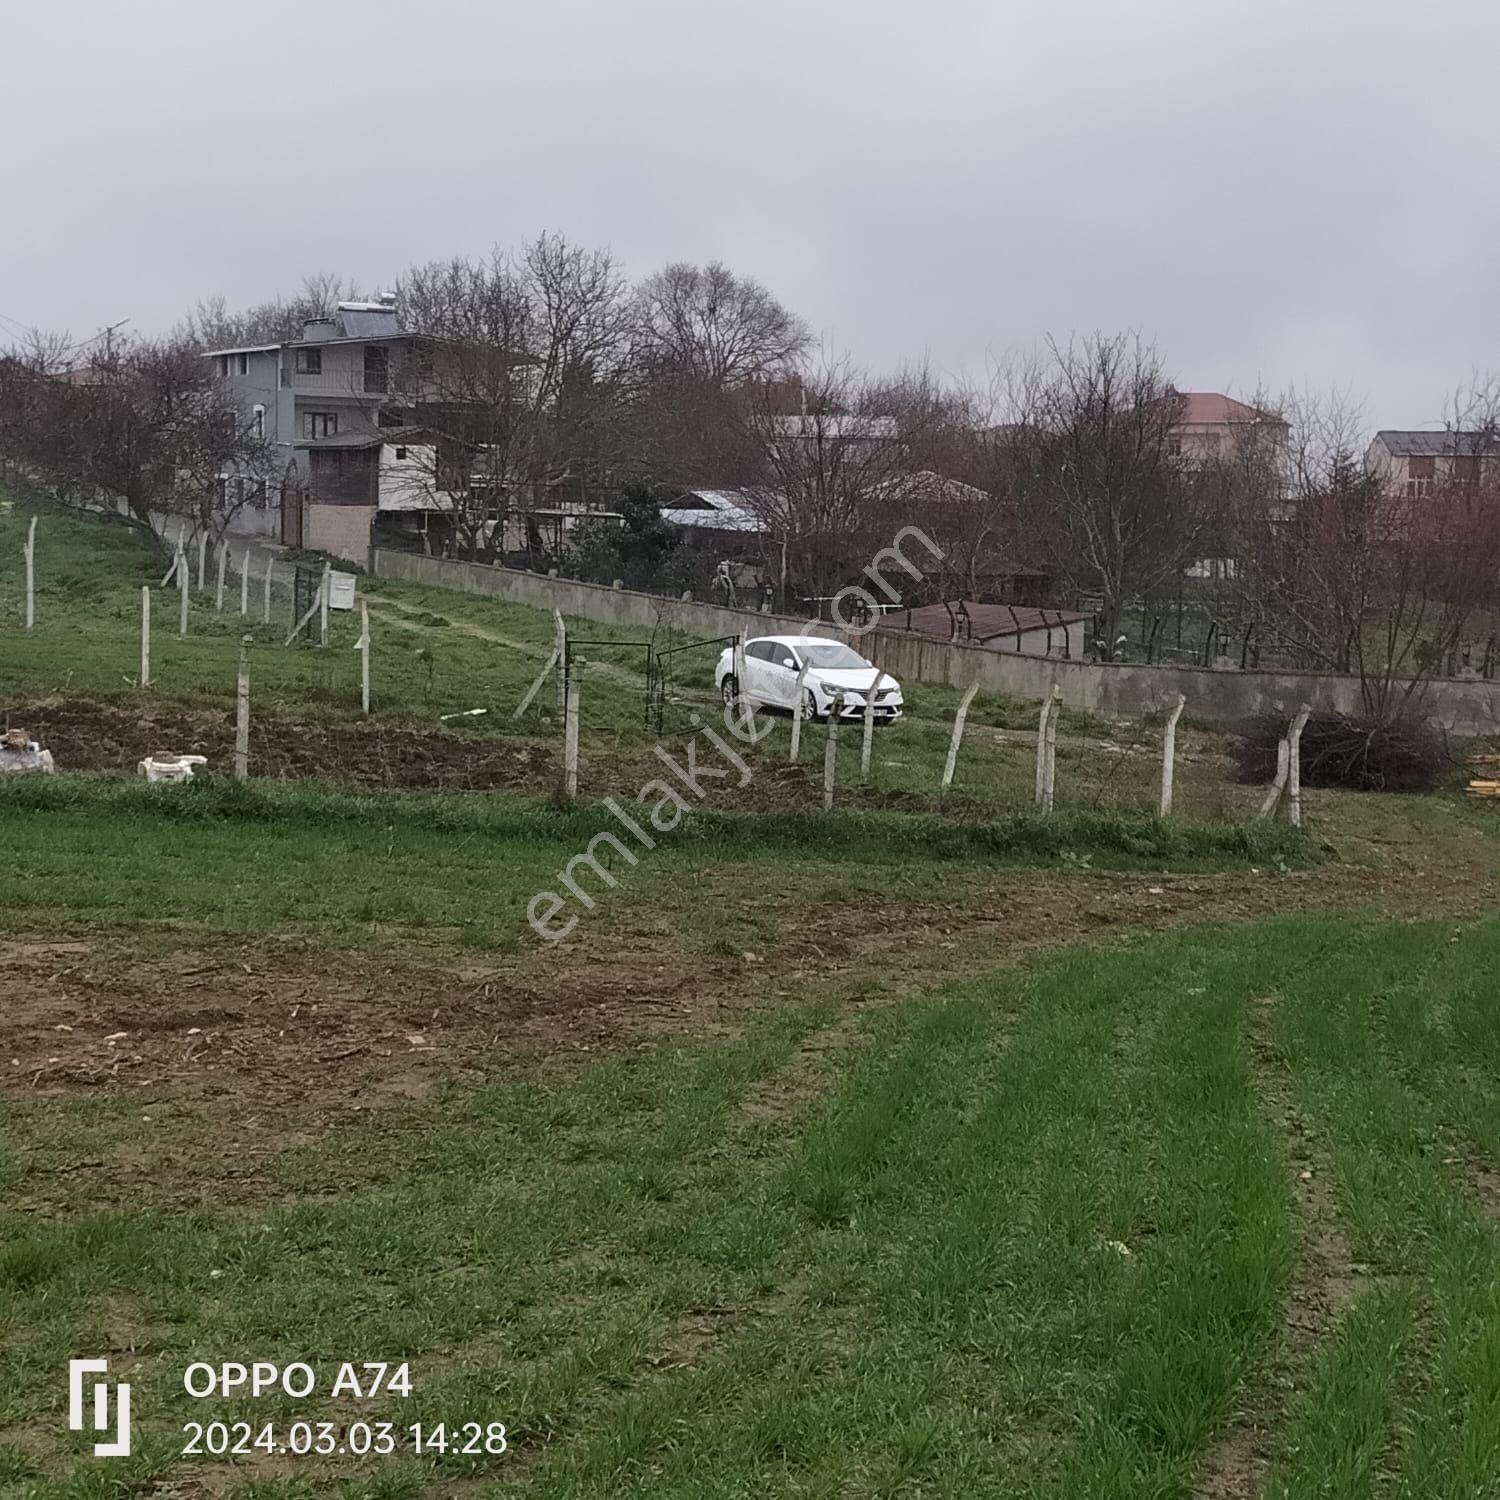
[(924, 1148)]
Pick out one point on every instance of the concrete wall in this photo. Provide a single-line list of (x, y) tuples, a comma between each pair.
[(1117, 690), (343, 530)]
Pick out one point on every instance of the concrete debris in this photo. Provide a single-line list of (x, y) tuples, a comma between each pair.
[(20, 754), (171, 767)]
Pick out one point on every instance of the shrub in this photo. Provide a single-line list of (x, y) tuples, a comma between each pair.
[(1402, 754)]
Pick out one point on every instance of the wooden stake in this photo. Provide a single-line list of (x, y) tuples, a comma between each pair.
[(1169, 756), (831, 751), (364, 659), (29, 550), (323, 593), (958, 733), (242, 721), (182, 592), (219, 586), (265, 608), (570, 738), (145, 635), (1294, 766), (1050, 790), (799, 709)]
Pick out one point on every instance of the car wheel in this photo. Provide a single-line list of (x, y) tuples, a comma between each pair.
[(810, 706), (730, 691)]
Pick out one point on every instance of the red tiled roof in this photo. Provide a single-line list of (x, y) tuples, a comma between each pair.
[(1213, 408)]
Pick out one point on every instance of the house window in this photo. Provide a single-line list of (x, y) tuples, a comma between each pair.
[(1466, 468), (258, 493), (258, 422), (400, 452), (377, 368), (223, 365), (1174, 447), (1420, 473), (309, 361), (320, 424), (242, 364)]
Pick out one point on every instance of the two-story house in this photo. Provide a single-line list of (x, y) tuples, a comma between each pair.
[(370, 423), (1415, 465)]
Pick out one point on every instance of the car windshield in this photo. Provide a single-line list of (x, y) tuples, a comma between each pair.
[(834, 656)]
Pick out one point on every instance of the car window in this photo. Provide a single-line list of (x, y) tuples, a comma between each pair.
[(833, 655), (761, 650)]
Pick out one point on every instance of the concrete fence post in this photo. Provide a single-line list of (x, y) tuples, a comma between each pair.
[(570, 737), (1294, 766), (831, 752), (28, 551), (244, 583), (183, 582), (1169, 756), (1049, 787), (323, 592), (799, 712), (1041, 751), (242, 720), (219, 584), (364, 659), (959, 719), (145, 635), (265, 608), (202, 557)]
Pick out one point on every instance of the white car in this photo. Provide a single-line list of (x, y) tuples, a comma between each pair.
[(829, 671)]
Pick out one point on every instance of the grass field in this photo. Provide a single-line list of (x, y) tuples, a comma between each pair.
[(922, 1149)]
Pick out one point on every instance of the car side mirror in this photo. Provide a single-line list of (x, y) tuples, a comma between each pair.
[(789, 663)]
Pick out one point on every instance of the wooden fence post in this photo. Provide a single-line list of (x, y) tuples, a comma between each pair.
[(219, 586), (29, 552), (958, 733), (242, 720), (1049, 788), (1169, 756), (266, 603), (364, 659), (831, 751), (570, 737), (145, 635), (799, 712)]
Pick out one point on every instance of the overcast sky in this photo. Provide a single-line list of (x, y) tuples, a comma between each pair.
[(1284, 193)]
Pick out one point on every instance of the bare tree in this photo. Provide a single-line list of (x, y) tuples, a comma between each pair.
[(705, 323), (1103, 493), (212, 324), (521, 391), (128, 420)]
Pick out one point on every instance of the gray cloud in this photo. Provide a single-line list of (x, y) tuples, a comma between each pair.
[(1286, 193)]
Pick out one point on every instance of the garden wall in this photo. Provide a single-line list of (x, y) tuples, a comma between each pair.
[(1114, 689)]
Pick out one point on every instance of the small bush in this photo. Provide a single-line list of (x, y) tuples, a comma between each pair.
[(1403, 754)]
